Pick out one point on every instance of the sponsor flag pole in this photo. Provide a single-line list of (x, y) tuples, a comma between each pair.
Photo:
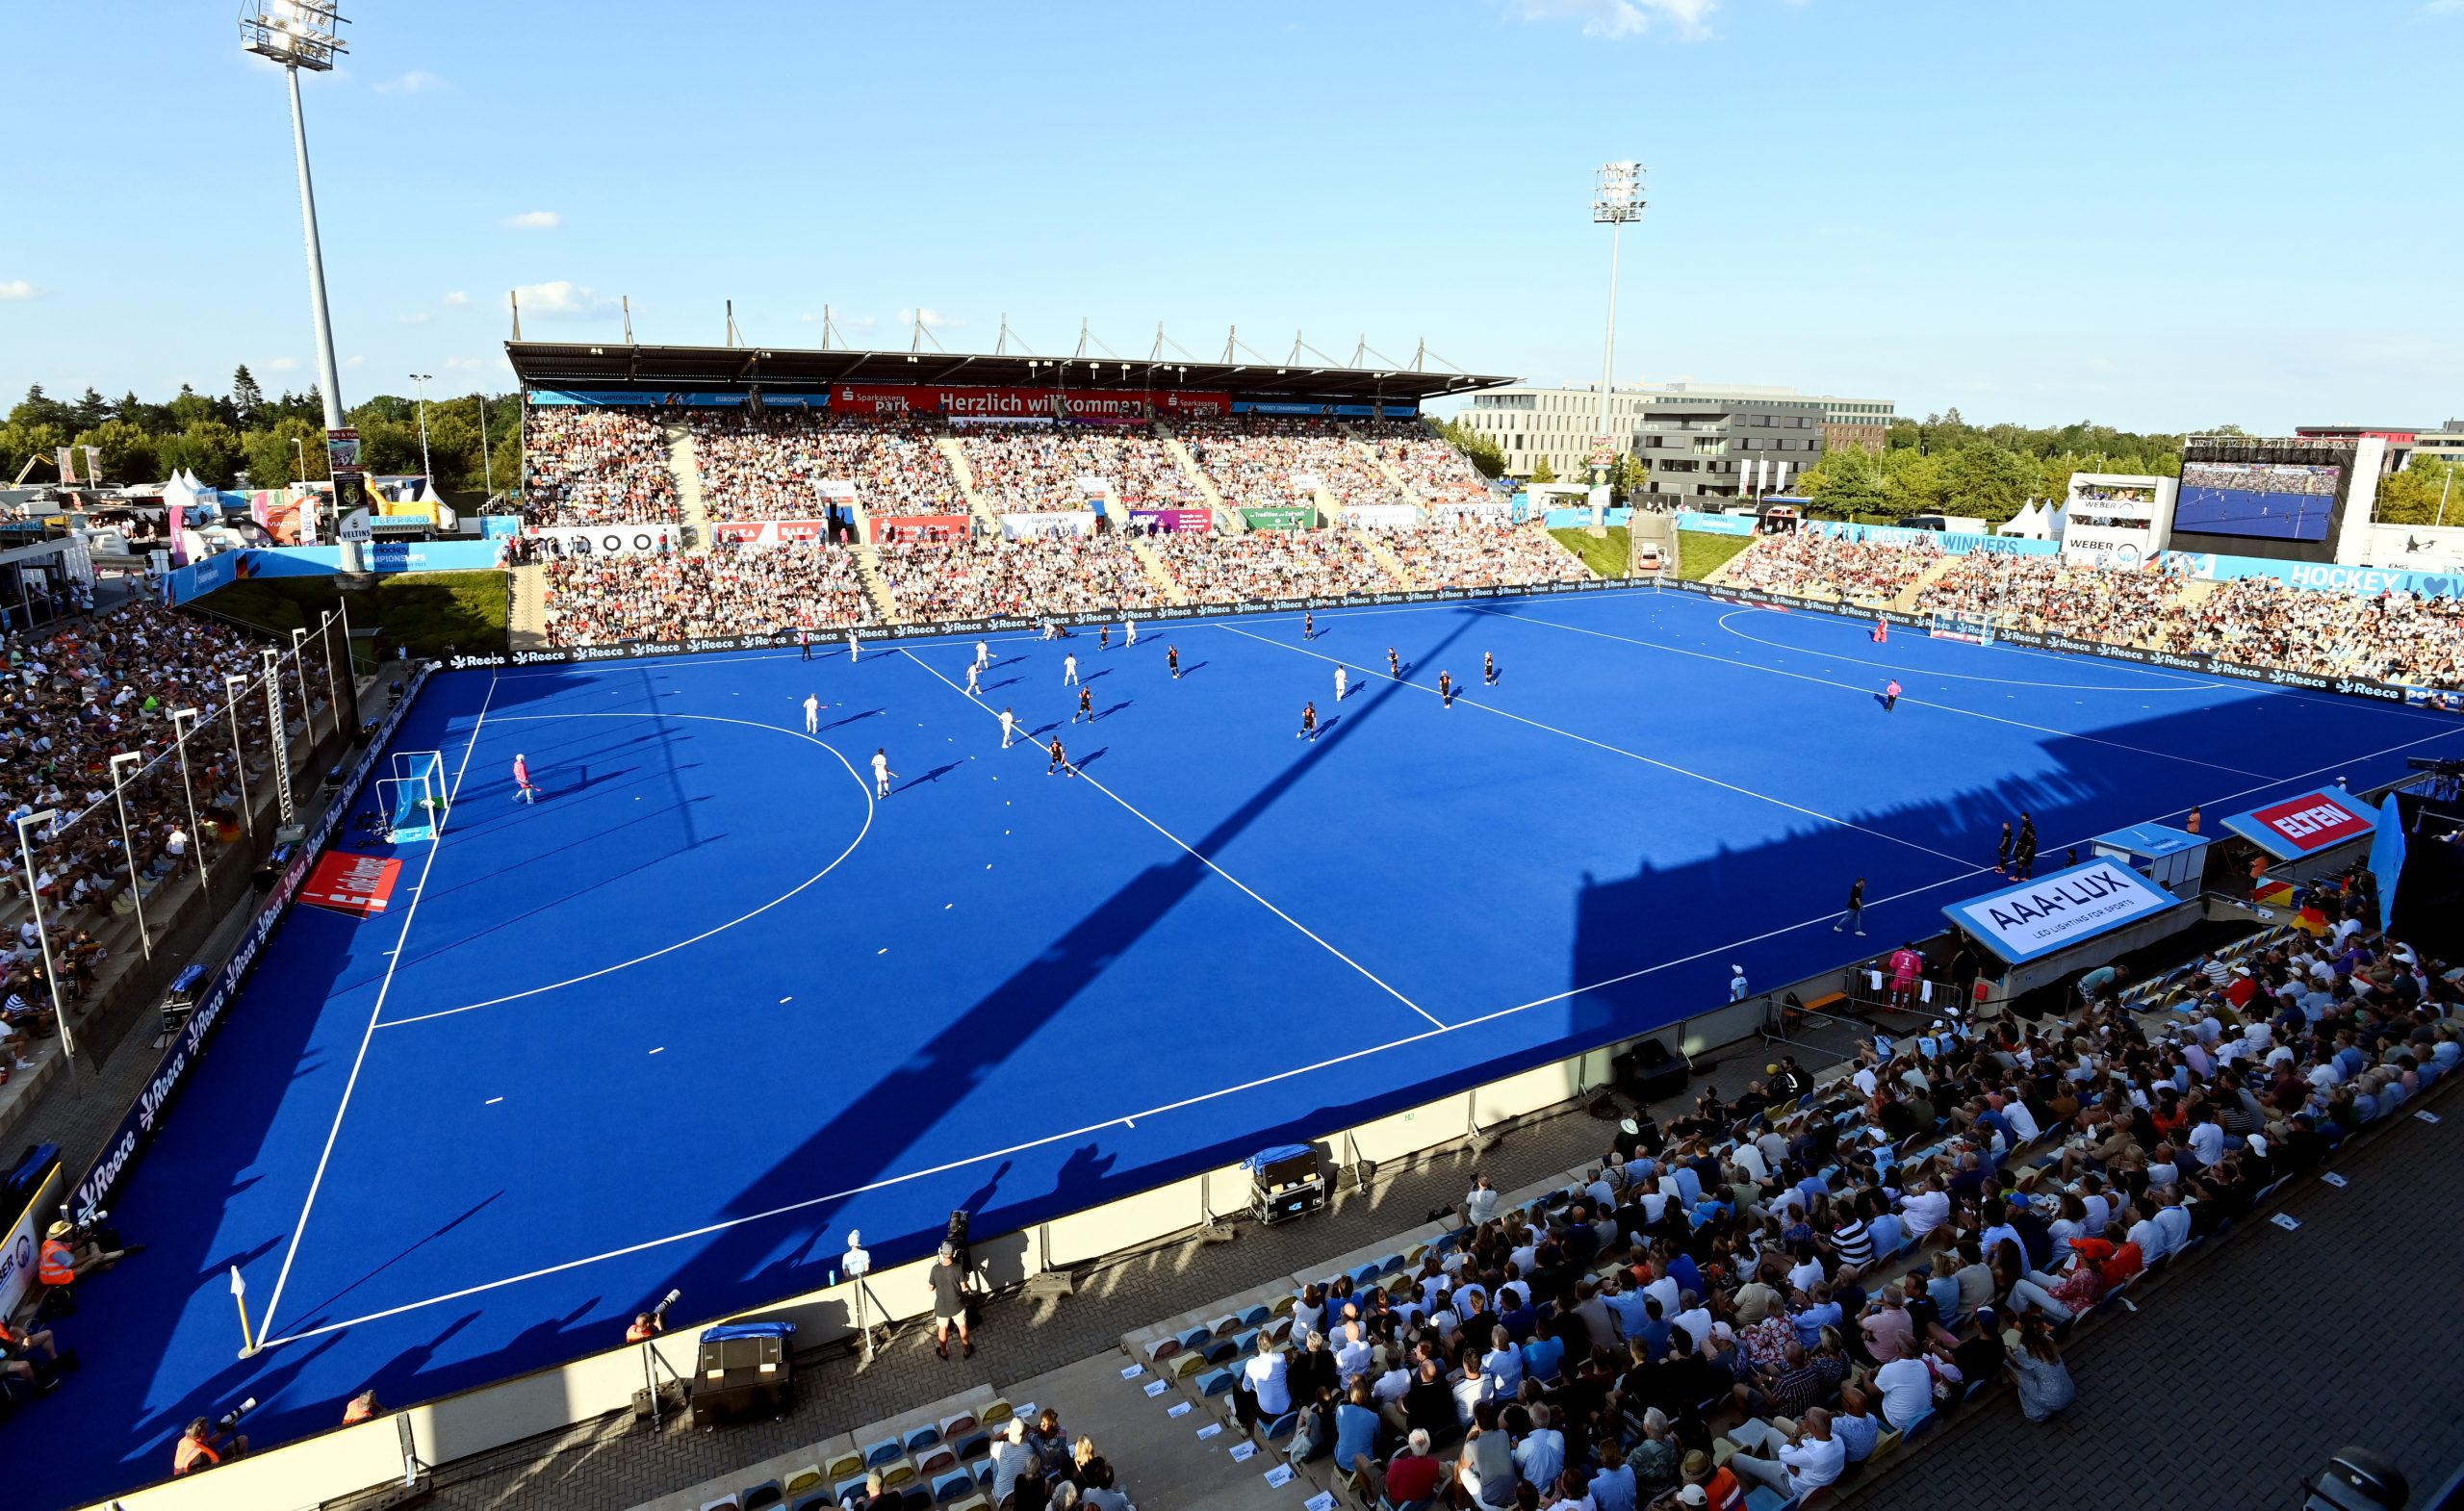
[(240, 1296)]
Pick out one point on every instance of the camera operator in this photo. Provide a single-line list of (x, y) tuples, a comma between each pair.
[(649, 1324), (207, 1444), (69, 1251)]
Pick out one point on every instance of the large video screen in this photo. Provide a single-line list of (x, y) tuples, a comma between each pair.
[(2279, 501)]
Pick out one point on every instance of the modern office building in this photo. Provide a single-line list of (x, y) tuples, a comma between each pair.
[(1531, 424), (1725, 446), (2446, 443)]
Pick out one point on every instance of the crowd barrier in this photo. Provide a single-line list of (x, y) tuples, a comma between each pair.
[(2194, 661), (999, 624), (138, 1125)]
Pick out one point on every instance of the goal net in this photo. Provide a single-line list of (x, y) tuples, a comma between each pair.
[(413, 798), (1975, 628)]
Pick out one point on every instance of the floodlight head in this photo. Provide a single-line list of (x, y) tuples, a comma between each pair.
[(296, 34), (1617, 193), (45, 816)]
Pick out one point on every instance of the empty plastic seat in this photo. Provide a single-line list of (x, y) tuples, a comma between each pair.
[(995, 1413), (954, 1486), (915, 1496), (1223, 1350), (940, 1458), (1280, 1429), (723, 1504), (973, 1446), (818, 1501), (843, 1464), (763, 1496), (973, 1503), (920, 1438), (1214, 1382), (847, 1487), (1762, 1497), (1256, 1316), (806, 1478), (876, 1454), (897, 1472), (1196, 1338), (1186, 1365)]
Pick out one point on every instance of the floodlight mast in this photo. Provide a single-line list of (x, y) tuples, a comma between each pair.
[(1616, 199), (304, 33)]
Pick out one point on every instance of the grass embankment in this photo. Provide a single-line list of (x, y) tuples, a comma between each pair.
[(1607, 555), (1700, 552), (434, 613)]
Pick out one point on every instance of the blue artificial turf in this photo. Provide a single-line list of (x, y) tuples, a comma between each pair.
[(708, 1005)]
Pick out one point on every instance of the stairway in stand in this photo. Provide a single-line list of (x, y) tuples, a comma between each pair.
[(526, 616), (687, 468), (1377, 458), (1227, 518), (975, 503), (1909, 597), (868, 566), (1387, 559), (1159, 573)]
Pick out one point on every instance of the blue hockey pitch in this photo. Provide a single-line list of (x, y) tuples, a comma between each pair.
[(708, 1004)]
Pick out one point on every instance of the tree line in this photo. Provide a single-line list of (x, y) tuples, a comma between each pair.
[(267, 442)]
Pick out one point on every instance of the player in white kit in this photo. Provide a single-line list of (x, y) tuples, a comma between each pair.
[(1129, 627), (851, 645), (1342, 679), (1009, 725), (973, 691), (882, 773), (1068, 669), (983, 654), (813, 713)]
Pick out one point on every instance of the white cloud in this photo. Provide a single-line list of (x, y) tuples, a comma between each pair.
[(2444, 8), (279, 364), (534, 221), (15, 289), (562, 299), (415, 82), (1618, 19), (464, 364), (355, 361), (933, 318), (454, 300), (413, 317)]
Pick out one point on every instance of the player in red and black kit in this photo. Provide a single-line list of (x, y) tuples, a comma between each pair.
[(1308, 625), (1104, 636), (1308, 722), (1488, 669), (1060, 760), (1173, 658), (1394, 666), (1445, 687), (1085, 704)]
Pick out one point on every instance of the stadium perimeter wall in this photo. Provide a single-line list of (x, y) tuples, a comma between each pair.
[(306, 1472)]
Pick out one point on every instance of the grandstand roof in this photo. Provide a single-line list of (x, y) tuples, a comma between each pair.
[(613, 364)]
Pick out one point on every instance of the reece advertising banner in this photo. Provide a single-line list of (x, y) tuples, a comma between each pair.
[(2053, 912)]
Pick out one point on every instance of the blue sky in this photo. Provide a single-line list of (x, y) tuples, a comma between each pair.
[(2154, 215)]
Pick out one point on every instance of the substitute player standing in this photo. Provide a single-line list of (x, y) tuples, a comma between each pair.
[(1069, 668), (1343, 681), (1060, 761), (804, 642), (523, 790), (882, 773), (1008, 724), (2002, 852), (1308, 722)]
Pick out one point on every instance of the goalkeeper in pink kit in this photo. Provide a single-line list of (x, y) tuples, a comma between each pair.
[(524, 789)]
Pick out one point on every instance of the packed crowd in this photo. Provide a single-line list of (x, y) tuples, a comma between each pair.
[(729, 591), (1469, 553), (1432, 468), (772, 466), (2390, 637), (74, 695), (1055, 575), (1771, 1293), (1255, 459), (1229, 569), (2040, 594), (596, 467), (1812, 564), (1020, 468)]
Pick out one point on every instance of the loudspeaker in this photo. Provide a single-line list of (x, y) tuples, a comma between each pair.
[(742, 1371), (1648, 1073)]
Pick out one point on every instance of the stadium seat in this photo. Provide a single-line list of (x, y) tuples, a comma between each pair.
[(957, 1486), (1256, 1316), (1283, 1305), (819, 1500), (915, 1496), (886, 1450), (1214, 1382), (996, 1415), (848, 1486), (1762, 1497), (763, 1495), (803, 1480), (897, 1472), (973, 1446), (923, 1437), (1196, 1338), (973, 1503), (723, 1504), (958, 1425), (1184, 1364), (1223, 1350), (938, 1459), (1280, 1429), (984, 1472)]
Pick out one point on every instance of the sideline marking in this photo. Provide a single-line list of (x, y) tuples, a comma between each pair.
[(436, 843), (1615, 750), (864, 786), (1031, 744)]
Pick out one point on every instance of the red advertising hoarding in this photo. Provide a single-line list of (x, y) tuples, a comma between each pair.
[(889, 527), (767, 532), (360, 885), (1099, 406), (2298, 826)]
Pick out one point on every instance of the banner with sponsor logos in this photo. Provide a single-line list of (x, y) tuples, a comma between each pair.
[(1097, 404), (2033, 919), (2201, 664), (1280, 518), (1191, 521), (996, 623), (2297, 827), (602, 540), (360, 885), (1048, 523), (2321, 577), (1380, 516), (889, 527), (22, 1256), (767, 532), (138, 1125)]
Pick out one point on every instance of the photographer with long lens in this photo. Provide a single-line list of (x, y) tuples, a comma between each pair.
[(649, 1324), (208, 1443)]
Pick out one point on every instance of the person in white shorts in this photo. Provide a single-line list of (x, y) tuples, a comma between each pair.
[(982, 653), (971, 672), (1130, 628), (813, 713), (882, 773), (1342, 679), (851, 645), (1009, 725), (1068, 669)]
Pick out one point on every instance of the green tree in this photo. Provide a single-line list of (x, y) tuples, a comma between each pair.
[(272, 460), (1911, 483), (246, 398), (1628, 477), (2415, 496), (207, 448), (1541, 472), (21, 442), (128, 452), (1848, 483), (1987, 481), (1486, 458)]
